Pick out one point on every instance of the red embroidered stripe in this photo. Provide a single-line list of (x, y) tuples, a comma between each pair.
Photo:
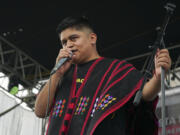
[(87, 75), (121, 69), (121, 62), (117, 66), (73, 87), (113, 74), (64, 129), (71, 106), (67, 116), (112, 84)]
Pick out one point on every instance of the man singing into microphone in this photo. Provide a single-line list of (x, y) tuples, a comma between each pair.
[(90, 94)]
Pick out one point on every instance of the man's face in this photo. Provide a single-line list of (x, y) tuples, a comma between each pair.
[(81, 43)]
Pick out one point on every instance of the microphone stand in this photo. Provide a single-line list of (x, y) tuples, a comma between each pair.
[(159, 43)]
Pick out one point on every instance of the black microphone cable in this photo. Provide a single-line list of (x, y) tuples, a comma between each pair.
[(57, 66)]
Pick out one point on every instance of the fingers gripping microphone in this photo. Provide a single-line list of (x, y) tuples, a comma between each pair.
[(60, 63)]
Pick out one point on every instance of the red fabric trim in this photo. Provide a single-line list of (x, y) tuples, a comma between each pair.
[(112, 75), (112, 84), (121, 62), (93, 100), (74, 82), (87, 76), (116, 106), (67, 116), (119, 70), (73, 86), (64, 129), (70, 106)]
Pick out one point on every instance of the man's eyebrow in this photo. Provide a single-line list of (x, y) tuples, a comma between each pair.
[(73, 35)]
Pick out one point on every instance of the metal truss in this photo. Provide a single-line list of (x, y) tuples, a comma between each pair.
[(174, 75), (14, 62)]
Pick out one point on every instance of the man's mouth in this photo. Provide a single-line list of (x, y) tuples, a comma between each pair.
[(73, 51)]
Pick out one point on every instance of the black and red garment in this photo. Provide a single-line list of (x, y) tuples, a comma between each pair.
[(96, 98)]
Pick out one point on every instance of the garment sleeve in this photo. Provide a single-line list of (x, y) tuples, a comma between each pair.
[(142, 119)]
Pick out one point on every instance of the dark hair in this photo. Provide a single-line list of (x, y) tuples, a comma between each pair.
[(74, 22)]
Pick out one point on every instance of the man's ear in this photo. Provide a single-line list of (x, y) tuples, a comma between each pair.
[(93, 38)]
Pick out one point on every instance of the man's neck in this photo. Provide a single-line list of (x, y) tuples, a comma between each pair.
[(93, 57)]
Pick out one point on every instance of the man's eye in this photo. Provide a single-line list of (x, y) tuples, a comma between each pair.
[(63, 43), (73, 38)]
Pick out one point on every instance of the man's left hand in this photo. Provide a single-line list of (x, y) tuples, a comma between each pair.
[(162, 59)]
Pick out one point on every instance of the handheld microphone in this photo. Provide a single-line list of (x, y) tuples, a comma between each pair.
[(60, 63)]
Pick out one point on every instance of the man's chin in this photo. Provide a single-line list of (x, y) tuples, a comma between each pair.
[(75, 60)]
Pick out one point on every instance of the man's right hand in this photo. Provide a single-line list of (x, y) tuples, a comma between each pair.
[(64, 53)]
